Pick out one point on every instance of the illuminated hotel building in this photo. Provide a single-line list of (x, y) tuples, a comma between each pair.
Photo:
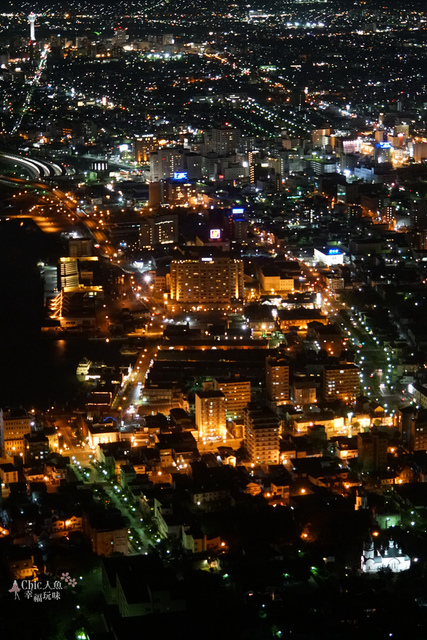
[(210, 415), (206, 280)]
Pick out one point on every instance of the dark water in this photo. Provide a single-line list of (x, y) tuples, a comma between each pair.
[(36, 371), (42, 372)]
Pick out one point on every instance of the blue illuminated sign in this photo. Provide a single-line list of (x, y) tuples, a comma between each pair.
[(180, 175)]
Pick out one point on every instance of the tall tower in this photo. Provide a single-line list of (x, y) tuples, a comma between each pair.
[(211, 415), (32, 20)]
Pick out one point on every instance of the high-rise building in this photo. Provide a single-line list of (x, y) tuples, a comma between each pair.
[(237, 394), (223, 141), (206, 280), (210, 415), (261, 434), (159, 230), (143, 146), (14, 424), (277, 379), (341, 382), (372, 450), (164, 163), (239, 226)]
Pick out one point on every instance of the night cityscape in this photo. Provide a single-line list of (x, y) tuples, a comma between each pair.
[(213, 337)]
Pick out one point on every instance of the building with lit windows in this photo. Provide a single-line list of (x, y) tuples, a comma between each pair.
[(164, 163), (277, 379), (210, 415), (101, 433), (275, 280), (304, 389), (180, 192), (237, 394), (36, 449), (341, 382), (143, 146), (261, 434), (206, 281), (14, 425), (158, 230), (223, 141)]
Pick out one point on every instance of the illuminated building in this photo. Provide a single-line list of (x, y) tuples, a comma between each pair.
[(36, 449), (275, 280), (32, 20), (120, 36), (101, 434), (419, 151), (8, 473), (277, 379), (158, 230), (391, 558), (329, 256), (299, 318), (335, 283), (76, 274), (206, 280), (320, 137), (223, 140), (237, 394), (180, 191), (14, 425), (164, 163), (210, 415), (383, 152), (143, 146), (341, 382), (261, 434)]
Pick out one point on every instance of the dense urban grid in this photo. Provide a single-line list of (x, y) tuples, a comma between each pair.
[(213, 276)]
